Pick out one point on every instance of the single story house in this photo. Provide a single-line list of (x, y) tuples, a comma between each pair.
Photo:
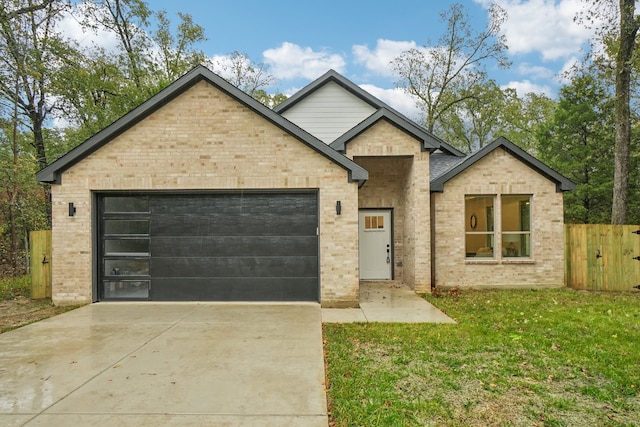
[(203, 193)]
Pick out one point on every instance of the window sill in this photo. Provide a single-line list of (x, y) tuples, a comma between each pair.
[(493, 261), (518, 261), (486, 261)]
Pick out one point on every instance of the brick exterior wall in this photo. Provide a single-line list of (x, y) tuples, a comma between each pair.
[(204, 140), (499, 173), (398, 179)]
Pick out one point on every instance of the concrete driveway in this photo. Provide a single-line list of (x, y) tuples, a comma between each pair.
[(155, 364)]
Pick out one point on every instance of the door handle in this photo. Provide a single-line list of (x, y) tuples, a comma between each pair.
[(388, 255)]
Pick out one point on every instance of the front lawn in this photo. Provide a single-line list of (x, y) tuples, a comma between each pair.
[(515, 358)]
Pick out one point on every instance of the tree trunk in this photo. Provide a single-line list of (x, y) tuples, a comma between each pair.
[(628, 31)]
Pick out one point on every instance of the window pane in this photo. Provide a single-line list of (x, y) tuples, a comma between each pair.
[(126, 246), (516, 213), (479, 226), (122, 226), (126, 267), (126, 204), (479, 245), (516, 245), (479, 213), (126, 289)]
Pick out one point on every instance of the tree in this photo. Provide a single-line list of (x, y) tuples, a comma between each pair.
[(476, 120), (30, 51), (97, 86), (629, 25), (578, 142), (176, 51), (618, 33), (238, 69), (522, 117), (442, 77), (22, 201), (127, 19)]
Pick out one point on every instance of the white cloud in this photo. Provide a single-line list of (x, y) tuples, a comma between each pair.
[(544, 26), (536, 71), (525, 86), (290, 61), (396, 98), (379, 59), (86, 38)]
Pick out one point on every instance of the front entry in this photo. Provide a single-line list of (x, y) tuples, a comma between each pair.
[(376, 250)]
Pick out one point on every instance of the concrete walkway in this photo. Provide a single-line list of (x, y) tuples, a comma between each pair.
[(387, 302), (154, 364)]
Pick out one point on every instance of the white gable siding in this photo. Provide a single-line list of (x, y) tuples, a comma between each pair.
[(329, 112)]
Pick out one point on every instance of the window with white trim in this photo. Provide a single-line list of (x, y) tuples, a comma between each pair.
[(487, 236)]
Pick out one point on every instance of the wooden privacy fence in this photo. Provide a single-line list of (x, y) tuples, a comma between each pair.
[(602, 257), (40, 264)]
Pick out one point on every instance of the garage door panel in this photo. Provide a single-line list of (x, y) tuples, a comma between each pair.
[(236, 203), (211, 246), (240, 246), (261, 224), (235, 267), (235, 289)]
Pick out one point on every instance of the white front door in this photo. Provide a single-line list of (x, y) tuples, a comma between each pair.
[(375, 245)]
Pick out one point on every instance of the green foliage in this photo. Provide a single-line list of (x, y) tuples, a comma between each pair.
[(578, 141), (548, 357), (13, 287), (23, 202)]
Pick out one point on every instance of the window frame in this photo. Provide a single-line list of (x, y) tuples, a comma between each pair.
[(524, 233), (490, 232), (496, 230)]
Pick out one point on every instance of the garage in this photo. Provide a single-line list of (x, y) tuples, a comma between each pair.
[(220, 246)]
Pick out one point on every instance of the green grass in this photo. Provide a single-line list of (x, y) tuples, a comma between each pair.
[(13, 287), (516, 358)]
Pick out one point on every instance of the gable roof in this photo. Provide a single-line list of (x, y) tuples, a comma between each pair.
[(455, 168), (53, 172), (429, 141)]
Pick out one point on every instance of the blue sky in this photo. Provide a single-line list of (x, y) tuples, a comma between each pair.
[(300, 40)]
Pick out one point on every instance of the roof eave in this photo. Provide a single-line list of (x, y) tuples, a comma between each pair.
[(426, 142), (563, 184)]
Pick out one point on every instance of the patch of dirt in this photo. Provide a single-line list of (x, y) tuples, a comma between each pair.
[(21, 311)]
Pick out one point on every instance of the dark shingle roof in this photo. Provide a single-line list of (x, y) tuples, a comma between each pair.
[(439, 163)]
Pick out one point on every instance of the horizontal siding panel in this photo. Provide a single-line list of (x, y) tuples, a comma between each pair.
[(329, 112)]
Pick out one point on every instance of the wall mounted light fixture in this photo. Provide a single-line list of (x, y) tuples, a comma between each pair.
[(338, 208), (72, 209)]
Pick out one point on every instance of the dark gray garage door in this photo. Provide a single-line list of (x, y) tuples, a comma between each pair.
[(210, 247)]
